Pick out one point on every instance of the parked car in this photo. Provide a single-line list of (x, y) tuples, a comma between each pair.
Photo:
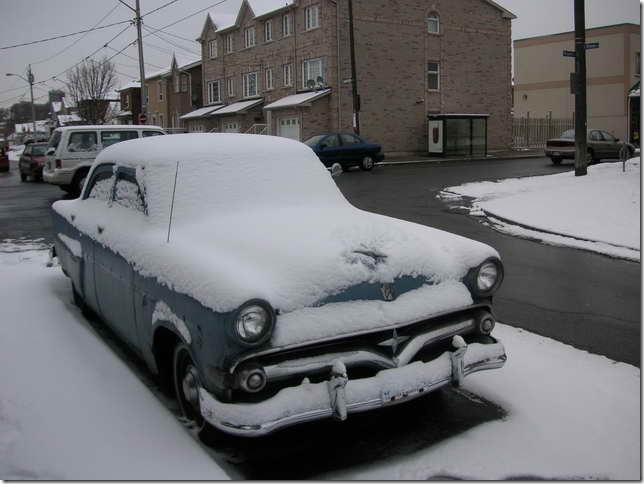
[(72, 151), (600, 145), (263, 303), (347, 149), (4, 159), (32, 160)]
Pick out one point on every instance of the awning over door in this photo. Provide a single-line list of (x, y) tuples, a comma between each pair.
[(239, 107), (294, 100), (201, 112)]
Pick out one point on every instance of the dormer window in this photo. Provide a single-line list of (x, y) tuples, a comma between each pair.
[(212, 49), (433, 24)]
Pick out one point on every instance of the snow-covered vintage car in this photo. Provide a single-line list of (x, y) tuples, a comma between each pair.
[(237, 270)]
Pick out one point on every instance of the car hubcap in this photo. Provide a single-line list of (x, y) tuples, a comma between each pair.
[(190, 386), (367, 162)]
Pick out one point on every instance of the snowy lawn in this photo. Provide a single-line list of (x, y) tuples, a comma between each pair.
[(598, 212), (71, 409)]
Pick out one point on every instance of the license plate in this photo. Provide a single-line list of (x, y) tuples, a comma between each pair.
[(389, 396)]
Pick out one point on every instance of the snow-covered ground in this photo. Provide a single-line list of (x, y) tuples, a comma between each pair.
[(71, 409), (598, 212)]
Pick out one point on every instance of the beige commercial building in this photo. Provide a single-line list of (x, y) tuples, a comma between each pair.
[(287, 71), (542, 76)]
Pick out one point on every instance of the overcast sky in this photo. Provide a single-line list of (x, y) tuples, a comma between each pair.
[(28, 20)]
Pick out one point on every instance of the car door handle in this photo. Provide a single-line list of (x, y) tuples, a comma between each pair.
[(100, 229)]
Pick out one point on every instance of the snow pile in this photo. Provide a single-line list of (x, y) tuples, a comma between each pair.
[(600, 211), (15, 152), (243, 227), (70, 409)]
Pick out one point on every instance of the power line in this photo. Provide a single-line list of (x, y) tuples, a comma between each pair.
[(79, 39), (193, 52), (172, 34), (65, 35), (159, 8), (191, 15)]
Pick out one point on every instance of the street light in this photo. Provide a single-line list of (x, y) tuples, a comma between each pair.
[(30, 81)]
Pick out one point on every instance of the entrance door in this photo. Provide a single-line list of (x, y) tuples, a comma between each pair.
[(289, 128)]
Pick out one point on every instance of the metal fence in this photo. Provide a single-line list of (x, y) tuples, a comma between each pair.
[(534, 132)]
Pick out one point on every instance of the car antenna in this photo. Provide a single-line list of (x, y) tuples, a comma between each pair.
[(174, 190)]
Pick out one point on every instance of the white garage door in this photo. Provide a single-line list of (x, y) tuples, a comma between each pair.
[(290, 128), (231, 127)]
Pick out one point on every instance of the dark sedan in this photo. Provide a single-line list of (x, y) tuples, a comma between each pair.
[(601, 145), (347, 149), (32, 160), (4, 159)]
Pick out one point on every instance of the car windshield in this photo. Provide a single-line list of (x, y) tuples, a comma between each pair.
[(314, 140), (570, 134), (39, 150)]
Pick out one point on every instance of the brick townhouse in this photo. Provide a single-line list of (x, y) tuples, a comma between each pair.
[(173, 93), (284, 68)]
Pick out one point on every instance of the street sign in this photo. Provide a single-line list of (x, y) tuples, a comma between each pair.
[(569, 53), (592, 45), (143, 118)]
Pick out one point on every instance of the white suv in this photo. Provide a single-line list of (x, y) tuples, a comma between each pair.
[(72, 151)]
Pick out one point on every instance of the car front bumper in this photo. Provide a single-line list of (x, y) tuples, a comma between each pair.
[(339, 396)]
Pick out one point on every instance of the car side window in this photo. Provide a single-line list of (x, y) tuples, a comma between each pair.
[(349, 139), (128, 194), (608, 137), (27, 150), (101, 184), (331, 141), (83, 141), (147, 134), (596, 136), (109, 138)]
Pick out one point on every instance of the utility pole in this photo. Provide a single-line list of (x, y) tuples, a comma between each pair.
[(580, 90), (30, 81), (137, 19), (354, 75)]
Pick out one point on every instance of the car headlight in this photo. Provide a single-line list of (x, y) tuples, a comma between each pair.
[(253, 322), (485, 279)]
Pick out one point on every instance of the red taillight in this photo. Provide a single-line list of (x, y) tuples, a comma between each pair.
[(59, 164)]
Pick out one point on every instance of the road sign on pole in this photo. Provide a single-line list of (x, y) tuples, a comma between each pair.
[(569, 53), (592, 45)]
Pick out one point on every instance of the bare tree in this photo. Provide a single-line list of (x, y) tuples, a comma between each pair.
[(89, 84)]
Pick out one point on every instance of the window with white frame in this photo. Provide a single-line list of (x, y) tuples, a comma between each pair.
[(229, 44), (160, 86), (184, 82), (312, 17), (312, 72), (268, 31), (249, 37), (250, 84), (433, 24), (212, 49), (230, 86), (287, 25), (177, 82), (433, 76), (288, 74), (268, 78), (214, 92)]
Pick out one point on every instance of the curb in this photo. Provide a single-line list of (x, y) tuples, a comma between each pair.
[(446, 160)]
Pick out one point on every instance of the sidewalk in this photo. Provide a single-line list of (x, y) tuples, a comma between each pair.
[(494, 155)]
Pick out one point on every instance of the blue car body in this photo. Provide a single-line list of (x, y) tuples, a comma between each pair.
[(347, 149)]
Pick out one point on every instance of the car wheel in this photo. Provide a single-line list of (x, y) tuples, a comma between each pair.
[(556, 161), (591, 157), (367, 163), (186, 387)]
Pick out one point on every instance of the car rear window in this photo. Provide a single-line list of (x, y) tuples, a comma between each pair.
[(109, 138), (39, 150), (147, 134), (570, 134), (54, 141)]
